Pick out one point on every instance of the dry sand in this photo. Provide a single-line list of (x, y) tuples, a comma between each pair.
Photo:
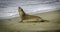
[(13, 25)]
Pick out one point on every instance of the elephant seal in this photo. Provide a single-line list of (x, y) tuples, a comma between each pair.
[(29, 18)]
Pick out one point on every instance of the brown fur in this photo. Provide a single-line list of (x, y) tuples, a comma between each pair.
[(28, 18)]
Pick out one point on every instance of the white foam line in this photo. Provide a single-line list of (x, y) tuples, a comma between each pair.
[(16, 15)]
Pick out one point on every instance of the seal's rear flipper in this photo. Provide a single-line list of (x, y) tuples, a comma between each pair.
[(44, 21)]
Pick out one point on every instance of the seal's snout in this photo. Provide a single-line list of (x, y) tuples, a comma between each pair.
[(19, 7)]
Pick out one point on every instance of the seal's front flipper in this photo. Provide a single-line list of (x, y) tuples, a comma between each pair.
[(20, 21)]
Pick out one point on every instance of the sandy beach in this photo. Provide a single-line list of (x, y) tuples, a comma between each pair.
[(13, 25)]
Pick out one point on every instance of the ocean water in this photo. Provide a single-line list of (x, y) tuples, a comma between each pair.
[(9, 8)]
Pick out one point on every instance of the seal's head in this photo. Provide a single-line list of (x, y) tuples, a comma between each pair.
[(20, 9), (21, 12)]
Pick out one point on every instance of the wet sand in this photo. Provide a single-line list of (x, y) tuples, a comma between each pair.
[(13, 25)]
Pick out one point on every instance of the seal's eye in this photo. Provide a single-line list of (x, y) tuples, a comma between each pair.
[(21, 9)]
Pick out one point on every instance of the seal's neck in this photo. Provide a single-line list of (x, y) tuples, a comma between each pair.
[(21, 12)]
